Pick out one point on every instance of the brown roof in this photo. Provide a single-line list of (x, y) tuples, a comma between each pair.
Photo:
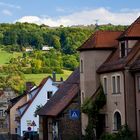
[(101, 40), (136, 65), (63, 97), (133, 30), (114, 62)]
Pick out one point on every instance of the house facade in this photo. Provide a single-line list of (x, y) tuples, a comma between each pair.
[(5, 96), (60, 117), (22, 113), (112, 59)]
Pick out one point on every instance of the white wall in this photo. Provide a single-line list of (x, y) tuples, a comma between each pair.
[(40, 99)]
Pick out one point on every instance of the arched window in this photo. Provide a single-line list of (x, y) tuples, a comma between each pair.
[(117, 121)]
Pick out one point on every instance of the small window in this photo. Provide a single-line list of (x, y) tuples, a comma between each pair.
[(118, 84), (113, 84), (122, 49), (82, 96), (138, 83), (81, 66), (49, 94), (105, 85), (117, 121), (1, 113)]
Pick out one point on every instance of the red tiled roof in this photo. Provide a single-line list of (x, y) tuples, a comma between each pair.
[(101, 40), (133, 30), (135, 66), (63, 97), (114, 62)]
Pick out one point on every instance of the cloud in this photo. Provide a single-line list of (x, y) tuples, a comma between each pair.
[(59, 9), (9, 5), (86, 17), (7, 12)]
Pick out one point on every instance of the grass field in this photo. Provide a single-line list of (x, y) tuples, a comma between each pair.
[(37, 78), (6, 56)]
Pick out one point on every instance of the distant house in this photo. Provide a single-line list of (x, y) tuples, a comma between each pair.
[(46, 48), (60, 116), (5, 96), (23, 112), (29, 49)]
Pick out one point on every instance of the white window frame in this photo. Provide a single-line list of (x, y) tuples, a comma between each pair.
[(116, 84)]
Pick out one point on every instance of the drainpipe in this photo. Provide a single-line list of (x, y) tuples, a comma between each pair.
[(125, 97)]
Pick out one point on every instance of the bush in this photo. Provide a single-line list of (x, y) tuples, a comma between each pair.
[(123, 134), (46, 70), (107, 136), (58, 70)]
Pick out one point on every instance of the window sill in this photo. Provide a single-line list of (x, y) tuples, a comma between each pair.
[(117, 93), (115, 131)]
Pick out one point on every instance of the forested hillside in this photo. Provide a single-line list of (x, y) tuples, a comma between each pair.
[(63, 40)]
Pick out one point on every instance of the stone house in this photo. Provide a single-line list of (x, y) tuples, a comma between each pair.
[(60, 116), (112, 58), (5, 96)]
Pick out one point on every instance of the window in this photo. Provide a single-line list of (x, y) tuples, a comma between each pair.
[(49, 94), (113, 84), (81, 68), (123, 49), (117, 121), (82, 96), (1, 113), (116, 84), (105, 85), (138, 83)]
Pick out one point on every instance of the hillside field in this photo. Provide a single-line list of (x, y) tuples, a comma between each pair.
[(6, 56), (37, 78)]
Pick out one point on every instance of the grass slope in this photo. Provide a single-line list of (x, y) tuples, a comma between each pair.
[(6, 56), (37, 78)]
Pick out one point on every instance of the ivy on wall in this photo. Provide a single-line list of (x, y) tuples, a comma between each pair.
[(91, 107)]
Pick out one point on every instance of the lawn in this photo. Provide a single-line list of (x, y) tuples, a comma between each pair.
[(6, 56), (37, 78)]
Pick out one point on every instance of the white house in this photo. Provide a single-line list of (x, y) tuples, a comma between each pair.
[(37, 97), (46, 48)]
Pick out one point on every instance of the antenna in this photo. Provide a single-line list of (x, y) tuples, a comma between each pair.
[(96, 23)]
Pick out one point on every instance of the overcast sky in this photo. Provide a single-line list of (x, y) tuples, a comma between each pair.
[(69, 12)]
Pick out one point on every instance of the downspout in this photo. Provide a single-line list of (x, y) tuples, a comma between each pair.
[(135, 92)]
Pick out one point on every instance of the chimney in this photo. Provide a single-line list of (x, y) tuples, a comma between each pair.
[(54, 76), (61, 79)]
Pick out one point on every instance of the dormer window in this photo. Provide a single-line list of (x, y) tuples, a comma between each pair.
[(123, 49)]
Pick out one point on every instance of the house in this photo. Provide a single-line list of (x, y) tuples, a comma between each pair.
[(29, 49), (113, 59), (22, 113), (60, 117), (46, 48), (5, 95)]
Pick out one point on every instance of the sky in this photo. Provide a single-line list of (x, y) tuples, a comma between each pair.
[(69, 12)]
